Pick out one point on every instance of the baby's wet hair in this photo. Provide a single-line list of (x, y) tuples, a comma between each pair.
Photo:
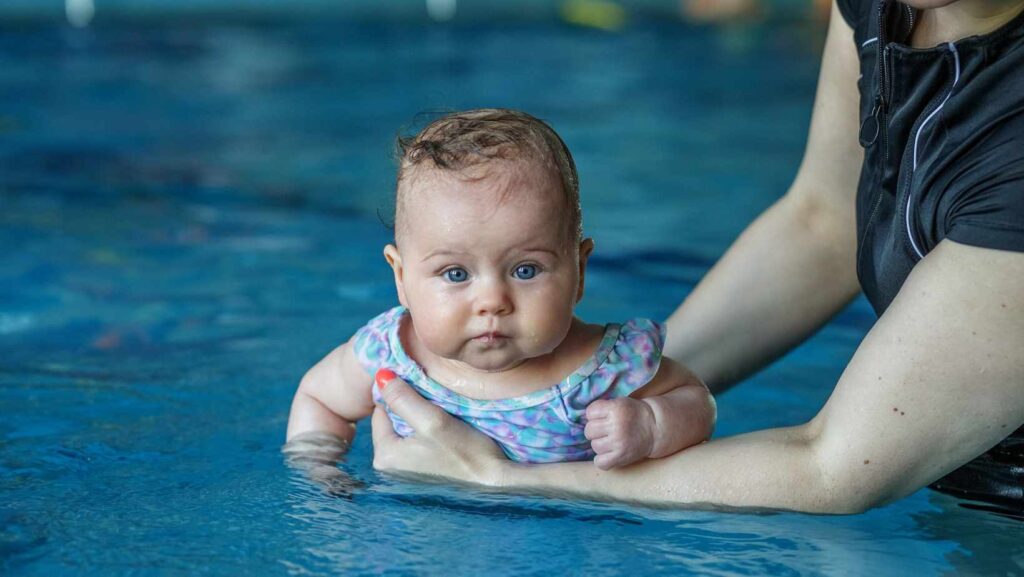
[(462, 140)]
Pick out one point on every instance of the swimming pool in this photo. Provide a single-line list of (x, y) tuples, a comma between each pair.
[(190, 219)]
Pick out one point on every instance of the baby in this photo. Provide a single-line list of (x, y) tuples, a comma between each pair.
[(489, 262)]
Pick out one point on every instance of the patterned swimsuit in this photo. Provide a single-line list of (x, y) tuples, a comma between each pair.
[(545, 426)]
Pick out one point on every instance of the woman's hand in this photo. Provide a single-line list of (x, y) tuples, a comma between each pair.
[(443, 446)]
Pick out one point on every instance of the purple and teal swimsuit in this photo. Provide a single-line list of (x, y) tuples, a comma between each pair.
[(545, 426)]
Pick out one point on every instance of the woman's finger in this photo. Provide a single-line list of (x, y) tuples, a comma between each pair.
[(423, 416), (383, 430), (386, 443)]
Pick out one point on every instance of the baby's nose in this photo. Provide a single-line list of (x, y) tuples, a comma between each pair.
[(494, 298)]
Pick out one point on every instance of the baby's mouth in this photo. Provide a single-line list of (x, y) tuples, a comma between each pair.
[(490, 338)]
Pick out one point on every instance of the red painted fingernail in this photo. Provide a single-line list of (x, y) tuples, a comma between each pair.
[(383, 376)]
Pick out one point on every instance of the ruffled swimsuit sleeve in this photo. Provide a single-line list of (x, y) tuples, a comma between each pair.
[(631, 363), (372, 343), (378, 346)]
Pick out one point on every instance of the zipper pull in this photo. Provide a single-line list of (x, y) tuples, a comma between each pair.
[(869, 129)]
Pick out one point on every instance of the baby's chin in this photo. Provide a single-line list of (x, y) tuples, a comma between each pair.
[(492, 365), (492, 359)]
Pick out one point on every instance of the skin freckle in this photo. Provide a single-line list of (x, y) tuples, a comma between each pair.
[(894, 409)]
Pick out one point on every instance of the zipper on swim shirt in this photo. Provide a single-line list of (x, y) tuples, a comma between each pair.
[(875, 122), (884, 88), (883, 52), (911, 15), (872, 125)]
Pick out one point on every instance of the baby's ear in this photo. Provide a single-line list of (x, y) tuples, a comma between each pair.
[(395, 260), (586, 247)]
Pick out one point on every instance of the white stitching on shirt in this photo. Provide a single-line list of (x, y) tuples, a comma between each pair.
[(910, 193)]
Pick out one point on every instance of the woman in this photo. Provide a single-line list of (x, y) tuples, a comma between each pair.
[(914, 187)]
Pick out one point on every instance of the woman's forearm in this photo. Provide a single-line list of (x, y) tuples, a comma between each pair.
[(838, 463), (787, 274), (774, 469)]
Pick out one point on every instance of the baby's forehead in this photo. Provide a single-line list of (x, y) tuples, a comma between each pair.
[(497, 182), (486, 186)]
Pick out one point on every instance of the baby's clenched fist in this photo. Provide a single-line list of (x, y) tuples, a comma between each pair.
[(621, 431)]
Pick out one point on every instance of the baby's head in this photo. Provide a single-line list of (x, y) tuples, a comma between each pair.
[(475, 144), (488, 256)]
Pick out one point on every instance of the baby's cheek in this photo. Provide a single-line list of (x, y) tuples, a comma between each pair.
[(436, 333), (441, 343), (550, 331)]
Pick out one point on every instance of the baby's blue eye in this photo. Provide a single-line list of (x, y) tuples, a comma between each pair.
[(525, 271), (456, 275)]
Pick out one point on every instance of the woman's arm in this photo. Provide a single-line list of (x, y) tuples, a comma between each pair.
[(794, 267), (937, 381)]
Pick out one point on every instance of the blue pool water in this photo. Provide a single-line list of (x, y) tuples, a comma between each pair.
[(189, 216)]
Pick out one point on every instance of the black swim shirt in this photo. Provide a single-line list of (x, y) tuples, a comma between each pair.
[(943, 136)]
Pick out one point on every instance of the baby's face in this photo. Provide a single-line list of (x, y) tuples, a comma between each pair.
[(486, 266)]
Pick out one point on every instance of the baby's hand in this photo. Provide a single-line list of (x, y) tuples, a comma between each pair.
[(621, 431)]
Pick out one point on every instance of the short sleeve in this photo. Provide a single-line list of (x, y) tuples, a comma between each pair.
[(372, 343), (988, 234), (985, 206), (631, 363), (854, 11)]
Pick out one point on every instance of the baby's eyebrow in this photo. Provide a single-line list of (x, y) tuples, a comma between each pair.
[(541, 249), (442, 252)]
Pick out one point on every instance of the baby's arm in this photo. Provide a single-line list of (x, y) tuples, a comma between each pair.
[(670, 413), (332, 396)]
